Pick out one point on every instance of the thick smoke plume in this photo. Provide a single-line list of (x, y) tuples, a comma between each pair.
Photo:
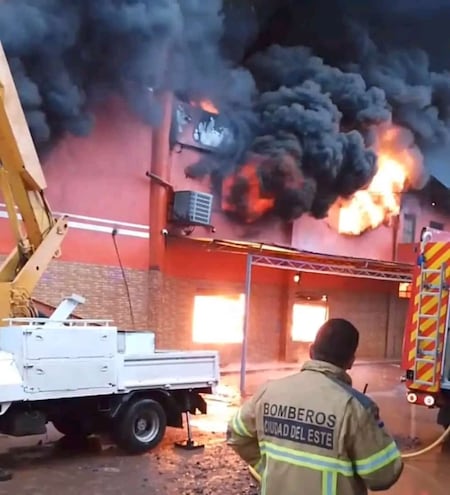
[(66, 56), (306, 83), (327, 82), (305, 108)]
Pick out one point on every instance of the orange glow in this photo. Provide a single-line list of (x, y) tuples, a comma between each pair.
[(221, 407), (218, 319), (307, 318), (206, 105), (216, 421), (404, 290), (380, 202), (242, 194)]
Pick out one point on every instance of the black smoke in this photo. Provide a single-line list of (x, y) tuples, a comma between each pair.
[(306, 83), (331, 72), (327, 114), (68, 56)]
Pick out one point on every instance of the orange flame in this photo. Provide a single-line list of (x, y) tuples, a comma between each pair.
[(242, 194), (399, 167), (206, 105)]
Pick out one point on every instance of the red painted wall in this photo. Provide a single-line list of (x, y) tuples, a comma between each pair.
[(187, 260), (103, 177), (91, 247), (318, 236), (383, 243), (425, 213), (275, 232)]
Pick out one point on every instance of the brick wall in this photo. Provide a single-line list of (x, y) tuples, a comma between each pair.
[(176, 300), (104, 290), (379, 316), (397, 310), (164, 304)]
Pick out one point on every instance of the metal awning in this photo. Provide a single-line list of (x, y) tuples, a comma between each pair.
[(286, 258)]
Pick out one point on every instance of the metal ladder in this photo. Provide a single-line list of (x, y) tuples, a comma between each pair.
[(432, 356)]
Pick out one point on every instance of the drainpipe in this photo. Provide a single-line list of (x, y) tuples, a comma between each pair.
[(159, 193)]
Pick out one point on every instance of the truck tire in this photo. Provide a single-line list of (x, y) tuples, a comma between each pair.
[(140, 427), (73, 428)]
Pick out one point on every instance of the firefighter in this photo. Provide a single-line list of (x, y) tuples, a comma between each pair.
[(311, 432)]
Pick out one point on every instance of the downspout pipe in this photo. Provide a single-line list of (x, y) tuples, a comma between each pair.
[(159, 193)]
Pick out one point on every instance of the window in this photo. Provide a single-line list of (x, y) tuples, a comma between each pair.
[(404, 290), (409, 228), (218, 319), (436, 225), (307, 318)]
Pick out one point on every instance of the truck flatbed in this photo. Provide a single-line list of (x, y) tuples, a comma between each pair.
[(87, 376), (74, 358)]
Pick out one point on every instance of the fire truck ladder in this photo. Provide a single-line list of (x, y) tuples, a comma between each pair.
[(432, 357)]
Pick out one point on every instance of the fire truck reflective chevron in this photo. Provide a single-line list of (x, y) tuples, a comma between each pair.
[(427, 318)]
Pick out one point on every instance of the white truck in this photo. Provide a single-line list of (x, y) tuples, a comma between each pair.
[(86, 377)]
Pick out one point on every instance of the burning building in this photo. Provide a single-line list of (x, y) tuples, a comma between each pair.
[(200, 133)]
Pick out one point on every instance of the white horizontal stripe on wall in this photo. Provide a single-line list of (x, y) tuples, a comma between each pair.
[(95, 224)]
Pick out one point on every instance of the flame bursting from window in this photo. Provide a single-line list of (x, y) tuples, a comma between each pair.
[(206, 105), (399, 167), (242, 195)]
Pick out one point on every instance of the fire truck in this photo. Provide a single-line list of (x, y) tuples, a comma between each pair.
[(426, 349)]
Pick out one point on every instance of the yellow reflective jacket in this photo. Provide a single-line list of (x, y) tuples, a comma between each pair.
[(311, 433)]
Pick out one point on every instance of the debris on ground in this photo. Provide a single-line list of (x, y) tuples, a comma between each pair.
[(96, 467)]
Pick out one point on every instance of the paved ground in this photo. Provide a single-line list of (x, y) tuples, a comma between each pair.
[(47, 465)]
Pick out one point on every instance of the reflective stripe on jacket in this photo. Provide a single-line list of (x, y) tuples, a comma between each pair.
[(312, 433)]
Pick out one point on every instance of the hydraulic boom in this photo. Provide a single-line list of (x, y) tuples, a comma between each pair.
[(38, 235)]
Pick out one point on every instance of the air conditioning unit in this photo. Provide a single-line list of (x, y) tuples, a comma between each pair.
[(192, 208)]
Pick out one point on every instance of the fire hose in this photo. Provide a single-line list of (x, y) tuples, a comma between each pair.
[(411, 455)]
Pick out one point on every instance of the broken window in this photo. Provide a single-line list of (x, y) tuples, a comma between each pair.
[(409, 228)]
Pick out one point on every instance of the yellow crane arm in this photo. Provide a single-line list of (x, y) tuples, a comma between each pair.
[(38, 235)]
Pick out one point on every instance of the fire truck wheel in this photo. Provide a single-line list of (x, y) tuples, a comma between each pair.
[(73, 428), (140, 427)]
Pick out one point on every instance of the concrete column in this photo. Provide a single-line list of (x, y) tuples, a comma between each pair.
[(159, 203)]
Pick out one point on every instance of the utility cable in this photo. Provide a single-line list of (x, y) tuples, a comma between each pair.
[(124, 277)]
